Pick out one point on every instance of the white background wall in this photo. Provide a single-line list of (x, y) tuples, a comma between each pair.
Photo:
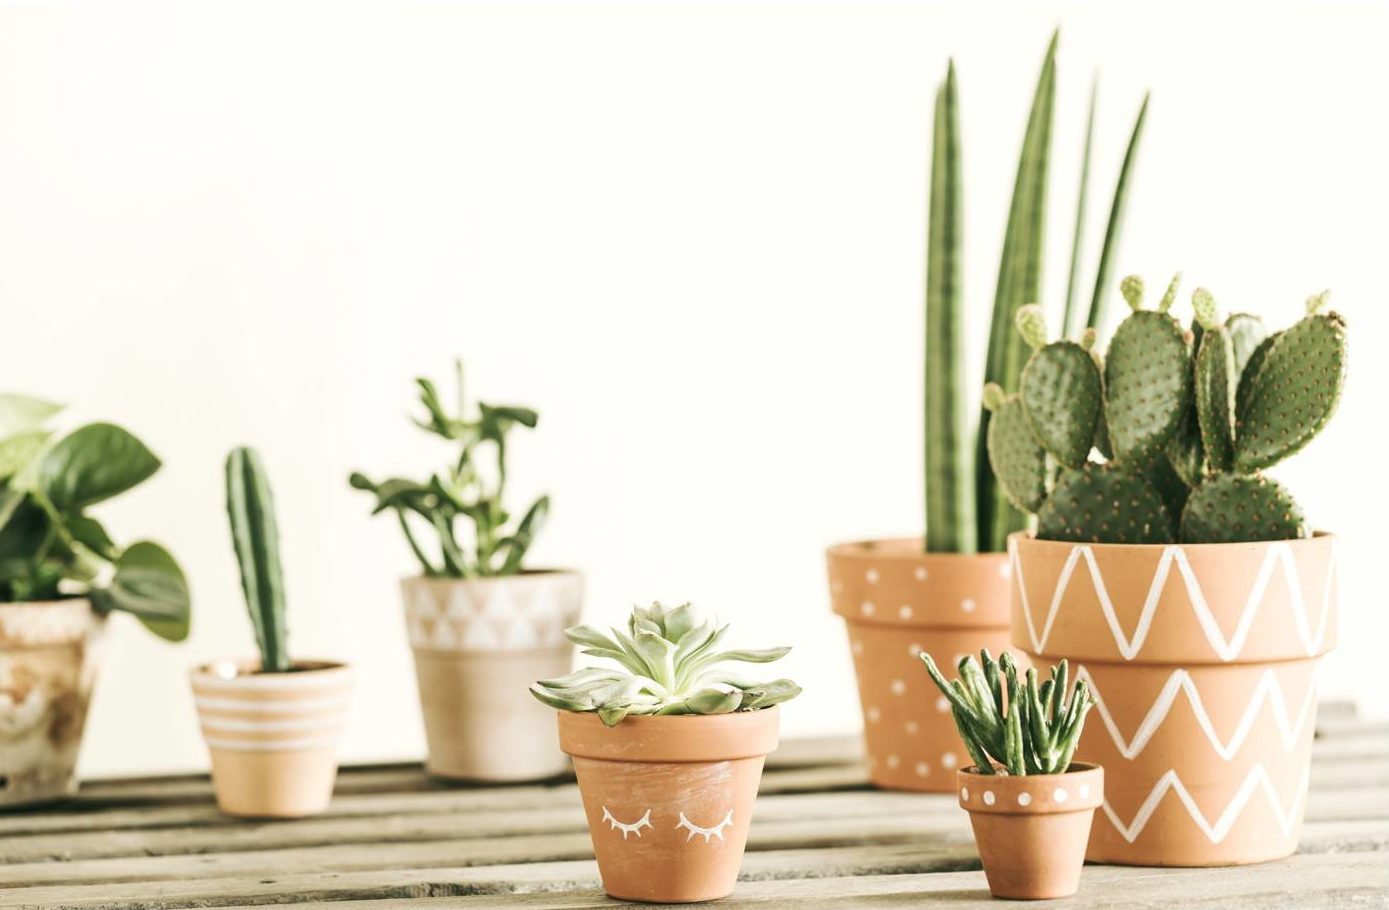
[(690, 235)]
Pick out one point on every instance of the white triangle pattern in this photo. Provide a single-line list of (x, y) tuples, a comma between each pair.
[(520, 613), (1257, 781), (1279, 554)]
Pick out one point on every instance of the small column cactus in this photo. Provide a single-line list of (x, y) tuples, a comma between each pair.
[(256, 539), (1009, 722), (1184, 421)]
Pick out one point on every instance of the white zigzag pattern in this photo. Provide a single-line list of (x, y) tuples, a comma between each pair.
[(1227, 649), (1215, 831), (1268, 689)]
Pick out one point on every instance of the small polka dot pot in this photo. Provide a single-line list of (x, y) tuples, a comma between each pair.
[(897, 601), (1031, 831)]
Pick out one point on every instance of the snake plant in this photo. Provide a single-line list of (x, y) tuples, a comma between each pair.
[(668, 662), (1010, 723)]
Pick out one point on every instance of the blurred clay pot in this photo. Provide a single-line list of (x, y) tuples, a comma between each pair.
[(478, 645), (49, 657), (669, 799), (272, 736), (1202, 660), (898, 601), (1031, 830)]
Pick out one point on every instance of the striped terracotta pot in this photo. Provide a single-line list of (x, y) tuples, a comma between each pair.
[(478, 645), (272, 736), (898, 601), (49, 656), (1203, 661)]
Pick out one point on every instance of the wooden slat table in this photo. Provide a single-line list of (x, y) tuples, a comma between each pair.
[(820, 838)]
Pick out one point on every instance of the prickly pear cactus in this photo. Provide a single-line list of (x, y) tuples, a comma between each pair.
[(1061, 393), (1103, 503), (1216, 380), (1229, 508), (1147, 380), (1018, 460), (1293, 390)]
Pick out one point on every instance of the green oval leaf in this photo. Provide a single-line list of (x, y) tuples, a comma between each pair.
[(94, 463)]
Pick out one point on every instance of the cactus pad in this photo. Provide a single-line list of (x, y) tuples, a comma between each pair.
[(1162, 476), (1017, 458), (1147, 382), (1215, 397), (1104, 504), (1229, 508), (1247, 332), (1293, 390), (1061, 396)]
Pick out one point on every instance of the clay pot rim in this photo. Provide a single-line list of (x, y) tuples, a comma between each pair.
[(1038, 788), (754, 732), (1030, 539), (906, 549), (491, 579), (245, 674)]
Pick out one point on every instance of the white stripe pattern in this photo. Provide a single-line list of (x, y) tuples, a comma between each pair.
[(267, 706), (271, 726), (283, 745), (1226, 649), (1216, 831), (1268, 689)]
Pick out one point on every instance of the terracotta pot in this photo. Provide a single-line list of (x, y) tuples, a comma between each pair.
[(1031, 830), (478, 645), (669, 799), (49, 657), (272, 736), (1202, 659), (898, 601)]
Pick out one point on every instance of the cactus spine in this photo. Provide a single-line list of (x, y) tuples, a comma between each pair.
[(1190, 434), (256, 539)]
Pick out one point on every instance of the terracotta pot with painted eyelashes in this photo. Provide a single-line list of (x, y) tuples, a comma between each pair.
[(669, 799), (272, 736), (897, 601), (1202, 660)]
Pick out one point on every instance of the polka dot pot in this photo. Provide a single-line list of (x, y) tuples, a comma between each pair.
[(897, 601)]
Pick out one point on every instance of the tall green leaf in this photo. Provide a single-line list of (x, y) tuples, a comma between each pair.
[(1078, 237), (256, 540), (1115, 227)]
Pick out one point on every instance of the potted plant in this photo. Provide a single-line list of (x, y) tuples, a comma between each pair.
[(1185, 583), (668, 747), (1030, 806), (948, 594), (271, 725), (61, 575), (481, 625)]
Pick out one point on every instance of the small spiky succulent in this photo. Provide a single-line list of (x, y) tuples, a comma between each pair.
[(668, 663), (1185, 422), (1009, 722)]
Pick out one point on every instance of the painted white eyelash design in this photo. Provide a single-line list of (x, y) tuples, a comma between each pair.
[(716, 831), (634, 828)]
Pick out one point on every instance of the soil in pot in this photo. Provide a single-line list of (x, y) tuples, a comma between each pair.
[(478, 645), (1202, 661), (1031, 830), (272, 736), (897, 601), (669, 799)]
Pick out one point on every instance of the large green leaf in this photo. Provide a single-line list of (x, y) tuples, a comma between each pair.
[(149, 585), (93, 463), (1115, 226), (22, 414), (17, 451)]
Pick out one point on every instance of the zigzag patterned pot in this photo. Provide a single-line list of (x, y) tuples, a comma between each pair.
[(1203, 662), (898, 601), (479, 644)]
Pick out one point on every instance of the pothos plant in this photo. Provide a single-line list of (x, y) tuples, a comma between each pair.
[(471, 490), (668, 662), (51, 547)]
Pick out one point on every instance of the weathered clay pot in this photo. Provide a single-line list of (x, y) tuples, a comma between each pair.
[(1202, 660), (478, 645), (49, 657), (669, 799), (898, 601), (272, 736), (1031, 830)]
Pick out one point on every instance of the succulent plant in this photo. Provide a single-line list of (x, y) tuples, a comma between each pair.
[(466, 490), (1009, 722), (668, 662), (1183, 437), (256, 540), (965, 510)]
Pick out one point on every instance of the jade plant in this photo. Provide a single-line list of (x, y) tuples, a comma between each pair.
[(1185, 422), (965, 511), (469, 490), (52, 547), (256, 540), (1011, 723), (668, 662)]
